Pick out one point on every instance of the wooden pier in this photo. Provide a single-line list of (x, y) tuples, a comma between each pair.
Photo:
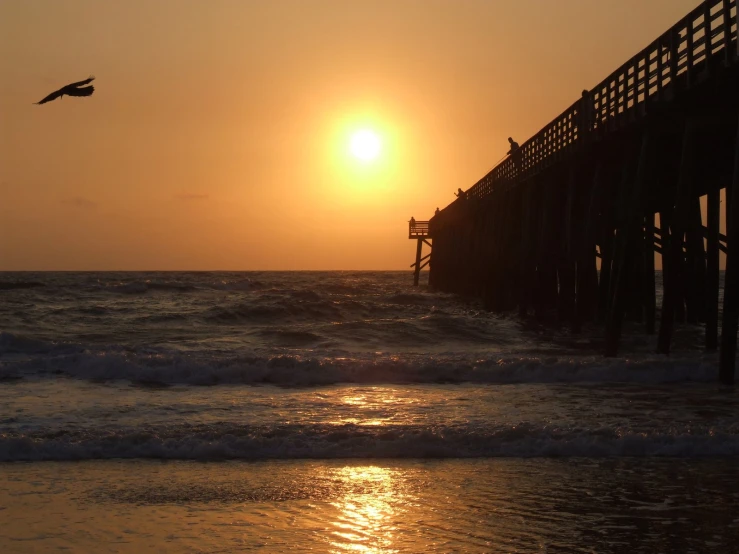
[(568, 226), (419, 230)]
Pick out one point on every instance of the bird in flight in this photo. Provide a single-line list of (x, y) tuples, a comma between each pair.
[(73, 89)]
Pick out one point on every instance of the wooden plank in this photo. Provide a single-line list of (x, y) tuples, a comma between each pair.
[(422, 259)]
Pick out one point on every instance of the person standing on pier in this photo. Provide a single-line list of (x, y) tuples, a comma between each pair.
[(515, 154), (460, 193)]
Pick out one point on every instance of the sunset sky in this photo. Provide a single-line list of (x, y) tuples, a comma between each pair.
[(219, 134)]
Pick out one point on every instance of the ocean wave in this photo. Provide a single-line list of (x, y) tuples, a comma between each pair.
[(169, 367), (410, 299), (141, 287), (16, 285), (180, 287), (237, 285), (231, 313), (285, 310), (326, 441), (90, 310), (306, 295), (140, 284), (19, 344), (344, 289), (164, 317), (291, 338)]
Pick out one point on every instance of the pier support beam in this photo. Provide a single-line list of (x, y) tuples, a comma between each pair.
[(672, 245), (650, 299), (604, 285), (730, 322), (712, 267), (567, 268), (417, 271), (695, 265), (528, 241), (625, 251)]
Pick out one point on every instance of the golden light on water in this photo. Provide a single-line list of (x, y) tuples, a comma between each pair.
[(366, 519), (367, 408)]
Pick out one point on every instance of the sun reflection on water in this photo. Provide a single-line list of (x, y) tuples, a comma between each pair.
[(375, 406), (368, 514)]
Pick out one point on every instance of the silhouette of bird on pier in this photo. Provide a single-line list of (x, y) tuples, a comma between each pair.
[(73, 89)]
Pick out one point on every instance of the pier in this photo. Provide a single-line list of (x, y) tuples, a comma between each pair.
[(419, 231), (568, 226)]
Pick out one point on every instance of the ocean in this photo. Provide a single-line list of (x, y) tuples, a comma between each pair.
[(344, 412)]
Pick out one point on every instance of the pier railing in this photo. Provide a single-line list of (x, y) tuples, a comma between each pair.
[(677, 59), (418, 229)]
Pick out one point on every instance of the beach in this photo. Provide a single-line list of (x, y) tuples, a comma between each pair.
[(482, 505)]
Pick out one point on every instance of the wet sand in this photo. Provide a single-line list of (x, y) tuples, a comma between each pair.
[(501, 505)]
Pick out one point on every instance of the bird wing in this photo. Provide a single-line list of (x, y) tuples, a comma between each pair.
[(71, 90), (53, 96), (80, 91), (90, 79)]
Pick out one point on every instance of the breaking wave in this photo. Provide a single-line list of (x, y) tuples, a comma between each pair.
[(28, 357), (326, 441)]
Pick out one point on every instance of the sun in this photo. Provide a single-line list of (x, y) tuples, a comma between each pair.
[(365, 145)]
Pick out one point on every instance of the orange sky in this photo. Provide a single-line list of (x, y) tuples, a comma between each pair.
[(218, 133)]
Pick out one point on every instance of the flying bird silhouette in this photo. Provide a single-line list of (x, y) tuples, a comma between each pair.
[(73, 89)]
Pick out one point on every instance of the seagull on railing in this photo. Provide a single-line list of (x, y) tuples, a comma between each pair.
[(73, 89)]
